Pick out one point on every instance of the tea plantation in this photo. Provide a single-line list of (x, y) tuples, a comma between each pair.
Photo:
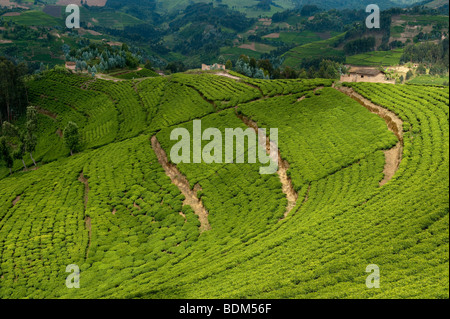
[(113, 210)]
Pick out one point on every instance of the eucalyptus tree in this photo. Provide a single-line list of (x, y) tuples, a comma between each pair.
[(30, 137), (5, 153), (72, 137)]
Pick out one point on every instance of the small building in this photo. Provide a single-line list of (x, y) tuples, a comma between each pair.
[(374, 75), (215, 66)]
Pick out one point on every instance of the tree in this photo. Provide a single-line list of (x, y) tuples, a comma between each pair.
[(19, 152), (13, 98), (229, 65), (266, 65), (131, 60), (253, 63), (421, 69), (13, 133), (72, 137), (148, 65), (5, 153), (93, 71), (409, 75), (289, 73), (244, 58), (30, 138), (437, 69)]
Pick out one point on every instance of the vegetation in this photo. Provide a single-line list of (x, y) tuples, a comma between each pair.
[(430, 80), (72, 137), (376, 58), (13, 100), (436, 55), (325, 49), (144, 73), (342, 222), (111, 208)]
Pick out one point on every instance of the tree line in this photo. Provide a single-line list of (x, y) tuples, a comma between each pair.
[(272, 69), (432, 54), (13, 98), (24, 140), (16, 141)]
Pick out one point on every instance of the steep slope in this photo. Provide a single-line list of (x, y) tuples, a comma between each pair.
[(113, 211)]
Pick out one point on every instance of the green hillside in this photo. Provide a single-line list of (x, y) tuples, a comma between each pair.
[(250, 7), (140, 227), (376, 58), (324, 49), (34, 18), (247, 6)]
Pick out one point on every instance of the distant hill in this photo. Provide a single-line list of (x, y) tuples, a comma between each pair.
[(437, 4), (268, 7), (357, 4)]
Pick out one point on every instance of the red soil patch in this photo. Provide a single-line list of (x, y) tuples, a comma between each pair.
[(182, 183), (46, 112), (272, 36), (12, 14), (250, 46)]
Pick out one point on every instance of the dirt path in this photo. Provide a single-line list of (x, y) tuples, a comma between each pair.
[(88, 223), (182, 183), (250, 46), (283, 166), (395, 125), (272, 36), (46, 112), (227, 75), (108, 77), (15, 201)]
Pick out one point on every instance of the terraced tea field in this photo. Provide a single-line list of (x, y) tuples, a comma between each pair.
[(140, 226)]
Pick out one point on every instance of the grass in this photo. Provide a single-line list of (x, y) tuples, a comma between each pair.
[(143, 242), (299, 38), (376, 58), (425, 19), (323, 48), (137, 74), (246, 6), (396, 31), (35, 18), (430, 80), (235, 52), (109, 19), (38, 51)]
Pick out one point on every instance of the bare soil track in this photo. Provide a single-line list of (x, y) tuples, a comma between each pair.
[(15, 201), (283, 167), (46, 112), (84, 180), (182, 183), (395, 125)]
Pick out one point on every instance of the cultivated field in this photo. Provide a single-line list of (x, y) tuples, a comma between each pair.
[(140, 226)]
